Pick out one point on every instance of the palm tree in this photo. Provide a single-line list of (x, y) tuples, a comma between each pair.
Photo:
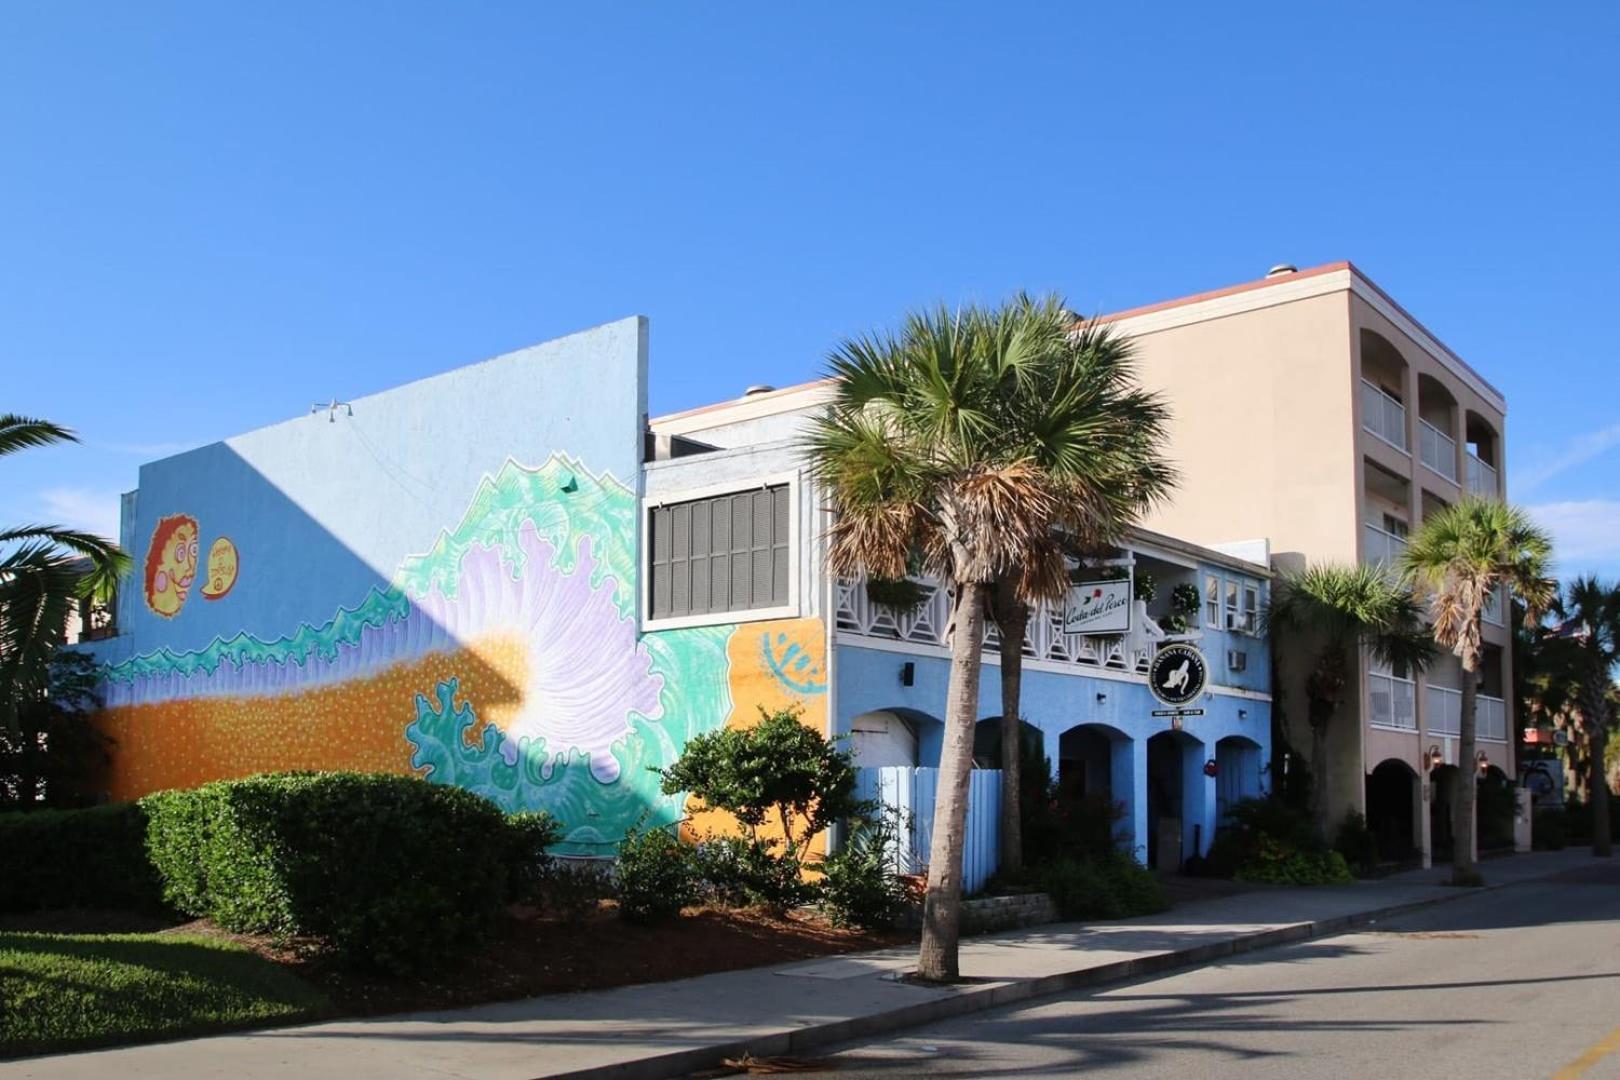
[(921, 451), (1584, 647), (42, 575), (1099, 437), (1345, 608), (1462, 555)]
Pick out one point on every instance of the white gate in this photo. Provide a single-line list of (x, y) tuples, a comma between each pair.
[(911, 793)]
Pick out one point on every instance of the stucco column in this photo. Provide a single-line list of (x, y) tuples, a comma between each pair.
[(1197, 801), (1422, 799), (1127, 779)]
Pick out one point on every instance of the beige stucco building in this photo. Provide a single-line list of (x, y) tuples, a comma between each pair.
[(1314, 413)]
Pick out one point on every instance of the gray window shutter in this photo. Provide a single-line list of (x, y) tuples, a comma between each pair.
[(723, 554)]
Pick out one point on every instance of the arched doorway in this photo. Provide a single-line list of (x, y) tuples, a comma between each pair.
[(1393, 799), (1176, 784), (1238, 765), (1443, 781), (897, 736), (1497, 803), (987, 743)]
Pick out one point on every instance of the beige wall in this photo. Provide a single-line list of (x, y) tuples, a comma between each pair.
[(1263, 427)]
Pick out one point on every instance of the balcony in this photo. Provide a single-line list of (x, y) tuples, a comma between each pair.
[(1382, 548), (1444, 716), (1394, 702), (1481, 478), (1382, 415), (1492, 612), (926, 624), (1437, 450)]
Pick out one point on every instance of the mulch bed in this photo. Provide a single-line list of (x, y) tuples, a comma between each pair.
[(531, 954)]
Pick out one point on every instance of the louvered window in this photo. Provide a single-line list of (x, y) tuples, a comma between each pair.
[(718, 555)]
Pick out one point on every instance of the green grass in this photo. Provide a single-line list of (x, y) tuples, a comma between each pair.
[(70, 991)]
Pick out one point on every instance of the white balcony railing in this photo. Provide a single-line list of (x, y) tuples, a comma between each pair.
[(1383, 415), (1444, 715), (1492, 719), (1381, 547), (1481, 478), (1492, 612), (1437, 450), (927, 622), (1393, 702)]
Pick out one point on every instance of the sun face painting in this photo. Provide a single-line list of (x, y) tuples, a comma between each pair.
[(171, 564)]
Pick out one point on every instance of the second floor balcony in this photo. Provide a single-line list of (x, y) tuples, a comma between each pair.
[(1443, 715), (1381, 547), (1437, 450), (1382, 414)]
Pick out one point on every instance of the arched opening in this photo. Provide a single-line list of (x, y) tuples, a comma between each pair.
[(1497, 805), (1175, 784), (1383, 389), (1393, 801), (1437, 427), (897, 736), (1483, 457), (987, 743), (1237, 777)]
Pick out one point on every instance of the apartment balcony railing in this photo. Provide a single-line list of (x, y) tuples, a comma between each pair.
[(1444, 715), (1393, 702), (1382, 548), (1492, 612), (1437, 450), (926, 624), (1383, 415), (1481, 478)]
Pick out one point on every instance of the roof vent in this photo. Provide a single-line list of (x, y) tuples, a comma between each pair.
[(757, 388), (1282, 268)]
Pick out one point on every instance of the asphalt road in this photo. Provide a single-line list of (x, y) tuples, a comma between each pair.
[(1520, 982)]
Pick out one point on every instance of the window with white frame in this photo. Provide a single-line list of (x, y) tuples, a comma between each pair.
[(724, 554), (1232, 603), (1212, 601), (1251, 606)]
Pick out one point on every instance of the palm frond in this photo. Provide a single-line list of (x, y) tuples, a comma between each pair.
[(23, 432)]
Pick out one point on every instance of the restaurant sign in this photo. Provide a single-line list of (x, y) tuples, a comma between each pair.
[(1098, 607)]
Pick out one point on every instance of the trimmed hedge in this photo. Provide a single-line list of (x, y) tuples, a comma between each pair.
[(391, 871), (94, 858)]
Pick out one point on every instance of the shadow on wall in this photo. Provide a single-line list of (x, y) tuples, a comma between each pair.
[(504, 658)]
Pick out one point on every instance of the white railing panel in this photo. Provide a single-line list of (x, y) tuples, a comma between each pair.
[(1437, 450), (1392, 701), (1383, 415), (1383, 548), (1492, 719), (1492, 611), (1481, 478), (1443, 715)]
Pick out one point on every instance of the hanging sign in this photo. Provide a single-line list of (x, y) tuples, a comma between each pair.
[(1098, 607), (1178, 674)]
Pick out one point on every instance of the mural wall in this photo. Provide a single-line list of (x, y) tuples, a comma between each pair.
[(504, 657)]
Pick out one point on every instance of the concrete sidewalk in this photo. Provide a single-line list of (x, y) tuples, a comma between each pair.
[(665, 1029)]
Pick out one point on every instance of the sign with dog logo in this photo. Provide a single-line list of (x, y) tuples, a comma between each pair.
[(1178, 674), (1098, 607)]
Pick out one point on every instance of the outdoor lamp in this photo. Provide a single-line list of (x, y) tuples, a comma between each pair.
[(1436, 757)]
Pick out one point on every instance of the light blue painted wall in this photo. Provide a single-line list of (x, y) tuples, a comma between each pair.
[(321, 512)]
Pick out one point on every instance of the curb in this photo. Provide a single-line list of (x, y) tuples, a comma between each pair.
[(973, 998)]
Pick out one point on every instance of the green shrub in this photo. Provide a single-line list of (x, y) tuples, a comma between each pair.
[(734, 871), (1273, 862), (92, 858), (392, 872), (1113, 887), (1355, 841), (859, 886), (657, 876), (528, 866), (1549, 829)]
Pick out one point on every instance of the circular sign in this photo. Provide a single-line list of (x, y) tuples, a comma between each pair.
[(1178, 674)]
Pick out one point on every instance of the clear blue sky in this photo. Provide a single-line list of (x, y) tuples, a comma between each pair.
[(213, 215)]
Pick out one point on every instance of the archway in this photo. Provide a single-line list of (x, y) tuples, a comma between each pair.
[(1238, 765), (897, 736), (1443, 780), (1177, 825), (1497, 803), (987, 743), (1393, 799)]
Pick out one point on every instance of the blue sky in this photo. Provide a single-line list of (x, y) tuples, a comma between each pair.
[(213, 215)]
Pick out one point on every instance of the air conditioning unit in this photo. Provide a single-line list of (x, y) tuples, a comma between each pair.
[(1237, 660)]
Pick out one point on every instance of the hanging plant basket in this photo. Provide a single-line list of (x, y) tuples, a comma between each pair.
[(902, 596), (1145, 588), (1184, 599)]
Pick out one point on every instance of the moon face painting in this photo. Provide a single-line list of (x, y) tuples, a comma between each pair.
[(221, 569), (171, 564)]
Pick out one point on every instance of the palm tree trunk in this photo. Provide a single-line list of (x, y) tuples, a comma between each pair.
[(1319, 761), (1602, 841), (1464, 795), (942, 903), (1012, 619)]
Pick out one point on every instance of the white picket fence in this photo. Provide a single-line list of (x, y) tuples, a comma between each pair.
[(911, 792)]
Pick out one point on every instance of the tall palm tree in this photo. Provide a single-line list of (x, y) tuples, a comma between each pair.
[(42, 575), (1461, 556), (1584, 647), (1099, 437), (1345, 608), (921, 452)]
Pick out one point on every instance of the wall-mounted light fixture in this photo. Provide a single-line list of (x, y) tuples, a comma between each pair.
[(908, 673), (1101, 697), (1482, 760), (1243, 714), (1437, 757)]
